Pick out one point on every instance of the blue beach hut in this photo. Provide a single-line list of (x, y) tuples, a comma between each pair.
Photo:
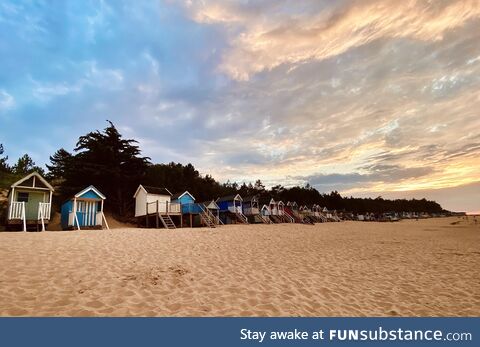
[(197, 213), (84, 210), (187, 202), (231, 210)]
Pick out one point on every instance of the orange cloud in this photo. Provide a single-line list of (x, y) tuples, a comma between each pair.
[(269, 36)]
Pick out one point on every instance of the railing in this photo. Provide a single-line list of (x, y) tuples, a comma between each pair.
[(17, 210), (251, 210), (192, 208), (163, 207), (242, 217), (235, 209), (212, 217), (44, 210), (289, 218)]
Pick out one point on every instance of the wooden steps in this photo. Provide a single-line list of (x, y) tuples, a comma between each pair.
[(287, 218), (276, 219), (241, 218), (308, 220), (266, 219), (207, 220), (167, 221)]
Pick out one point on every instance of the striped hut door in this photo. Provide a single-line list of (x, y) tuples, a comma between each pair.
[(86, 213), (89, 213), (81, 212)]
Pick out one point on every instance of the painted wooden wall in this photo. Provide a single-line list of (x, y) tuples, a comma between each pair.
[(142, 198)]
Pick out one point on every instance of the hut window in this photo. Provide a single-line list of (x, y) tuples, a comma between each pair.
[(99, 206), (22, 197)]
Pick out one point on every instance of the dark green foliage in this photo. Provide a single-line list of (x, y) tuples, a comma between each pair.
[(3, 161), (26, 165), (60, 163), (179, 178), (105, 160)]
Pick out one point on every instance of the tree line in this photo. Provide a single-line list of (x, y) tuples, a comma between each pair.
[(115, 165)]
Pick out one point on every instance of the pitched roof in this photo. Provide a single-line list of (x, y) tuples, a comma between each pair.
[(152, 190), (230, 198), (44, 184), (92, 188), (177, 196), (211, 205), (250, 198), (266, 201)]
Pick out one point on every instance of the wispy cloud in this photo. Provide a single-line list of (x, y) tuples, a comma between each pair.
[(7, 101), (278, 32)]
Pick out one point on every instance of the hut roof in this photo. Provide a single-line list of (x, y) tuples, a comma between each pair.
[(33, 180), (250, 198), (230, 198), (92, 188), (152, 190), (211, 205), (179, 195), (267, 201)]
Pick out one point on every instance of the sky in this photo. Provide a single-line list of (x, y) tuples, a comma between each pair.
[(370, 98)]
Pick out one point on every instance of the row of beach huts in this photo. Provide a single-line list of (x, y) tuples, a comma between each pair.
[(30, 204)]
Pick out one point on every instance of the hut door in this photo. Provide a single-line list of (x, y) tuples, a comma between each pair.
[(34, 199), (86, 213)]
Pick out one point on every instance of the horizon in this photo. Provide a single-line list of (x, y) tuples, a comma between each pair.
[(366, 98)]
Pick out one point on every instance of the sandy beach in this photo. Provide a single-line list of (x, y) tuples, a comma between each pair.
[(410, 268)]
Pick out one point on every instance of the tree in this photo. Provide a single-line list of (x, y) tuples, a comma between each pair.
[(259, 186), (60, 162), (108, 161), (4, 167), (26, 165)]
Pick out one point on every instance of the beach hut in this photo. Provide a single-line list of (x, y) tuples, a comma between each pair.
[(186, 200), (273, 207), (291, 209), (197, 214), (317, 212), (282, 214), (155, 202), (251, 210), (214, 209), (231, 209), (306, 215), (331, 215), (292, 205), (29, 203), (270, 208), (250, 205), (84, 210), (265, 213)]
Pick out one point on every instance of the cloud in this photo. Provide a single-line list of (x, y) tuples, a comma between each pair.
[(7, 101), (462, 198), (372, 175), (284, 32)]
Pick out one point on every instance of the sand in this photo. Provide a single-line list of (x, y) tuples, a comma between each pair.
[(410, 268)]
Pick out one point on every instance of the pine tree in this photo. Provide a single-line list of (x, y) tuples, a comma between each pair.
[(26, 165), (3, 161), (60, 162), (111, 163)]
